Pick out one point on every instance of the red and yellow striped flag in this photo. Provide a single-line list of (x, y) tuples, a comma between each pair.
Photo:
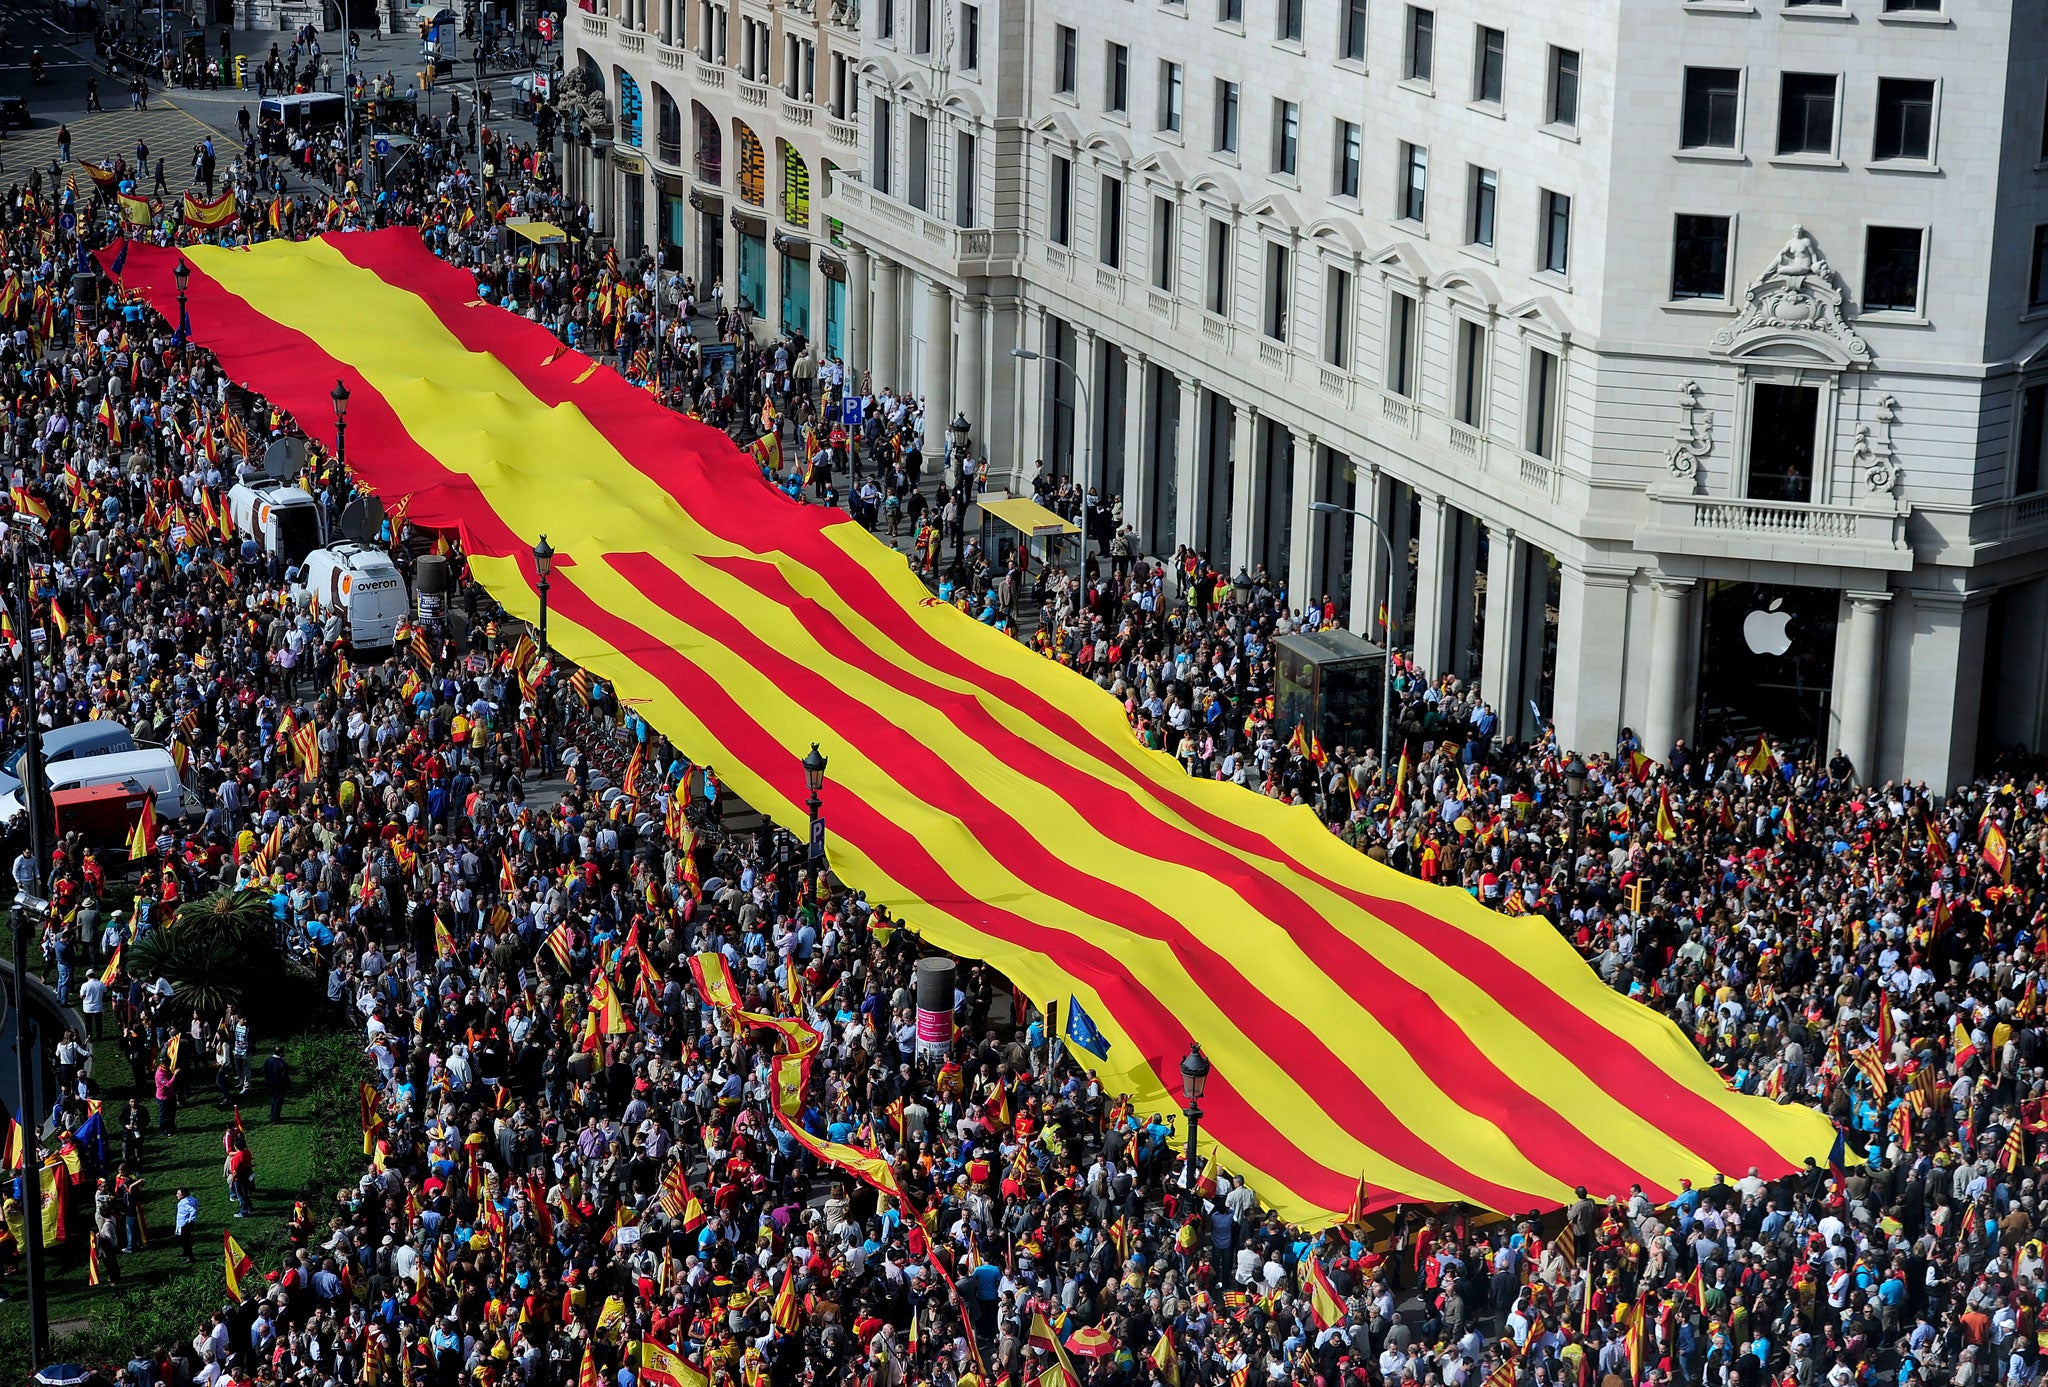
[(1358, 1021)]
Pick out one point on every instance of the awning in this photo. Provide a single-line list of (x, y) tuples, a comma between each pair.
[(1028, 517), (540, 233)]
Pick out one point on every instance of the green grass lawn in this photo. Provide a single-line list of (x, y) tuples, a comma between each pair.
[(316, 1147)]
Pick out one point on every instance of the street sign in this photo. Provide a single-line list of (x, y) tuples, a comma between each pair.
[(850, 411), (383, 145), (818, 839)]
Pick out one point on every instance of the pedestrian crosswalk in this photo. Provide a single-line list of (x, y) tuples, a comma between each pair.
[(169, 131)]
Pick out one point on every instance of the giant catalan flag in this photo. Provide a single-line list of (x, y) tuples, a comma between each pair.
[(1362, 1026)]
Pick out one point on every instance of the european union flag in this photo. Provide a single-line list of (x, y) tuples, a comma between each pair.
[(1082, 1031)]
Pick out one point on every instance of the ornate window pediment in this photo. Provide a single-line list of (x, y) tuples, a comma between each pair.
[(1794, 310)]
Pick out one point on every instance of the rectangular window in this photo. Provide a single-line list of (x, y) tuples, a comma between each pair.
[(1230, 11), (1414, 183), (1065, 48), (885, 19), (965, 173), (1713, 103), (1905, 119), (1111, 216), (1351, 42), (1169, 97), (1484, 197), (1806, 113), (1782, 434), (1164, 231), (1226, 117), (1469, 395), (1060, 202), (1401, 346), (1892, 257), (2044, 126), (1337, 317), (1557, 233), (1419, 63), (1279, 290), (1489, 65), (2037, 281), (1564, 88), (2033, 433), (878, 144), (1350, 154), (1289, 27), (1542, 414), (1116, 94), (1699, 257), (920, 26), (916, 161), (1216, 297), (1286, 137), (1912, 6), (970, 38)]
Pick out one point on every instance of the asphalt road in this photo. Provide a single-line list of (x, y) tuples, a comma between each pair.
[(175, 119)]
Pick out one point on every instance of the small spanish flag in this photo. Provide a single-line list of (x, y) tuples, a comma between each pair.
[(236, 1264), (142, 840)]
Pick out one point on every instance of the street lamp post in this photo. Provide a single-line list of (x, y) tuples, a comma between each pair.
[(814, 778), (1575, 791), (652, 265), (32, 788), (182, 272), (1194, 1077), (340, 398), (543, 564), (1386, 631), (959, 434)]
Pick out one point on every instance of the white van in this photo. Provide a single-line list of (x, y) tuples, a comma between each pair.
[(359, 583), (282, 520), (147, 768), (99, 737)]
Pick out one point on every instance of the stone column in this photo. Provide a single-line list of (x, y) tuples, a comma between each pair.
[(1500, 671), (885, 355), (1137, 454), (1432, 619), (1858, 670), (1088, 462), (1002, 432), (860, 270), (1244, 476), (1670, 637), (938, 363), (1304, 549), (1592, 645), (1368, 559), (730, 239), (1187, 472), (968, 388), (1030, 377)]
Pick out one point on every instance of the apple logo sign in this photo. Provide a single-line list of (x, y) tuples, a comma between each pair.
[(1764, 631)]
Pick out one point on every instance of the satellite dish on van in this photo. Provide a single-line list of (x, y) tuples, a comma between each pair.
[(362, 519), (284, 458)]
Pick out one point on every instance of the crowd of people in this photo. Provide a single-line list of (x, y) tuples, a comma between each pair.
[(581, 1164)]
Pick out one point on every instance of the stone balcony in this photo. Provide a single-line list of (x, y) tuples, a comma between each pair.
[(1872, 537)]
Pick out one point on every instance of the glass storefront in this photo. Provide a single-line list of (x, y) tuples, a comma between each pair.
[(835, 318), (753, 269), (1766, 664), (796, 293)]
